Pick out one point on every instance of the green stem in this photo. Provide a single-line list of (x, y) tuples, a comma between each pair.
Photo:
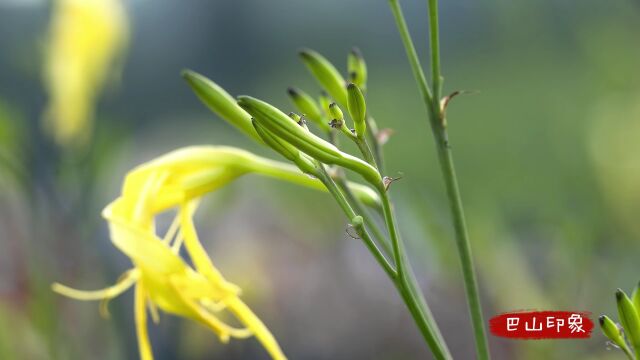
[(360, 209), (438, 127), (406, 286), (409, 289), (396, 244), (410, 49), (462, 242), (436, 75), (366, 151), (372, 133), (351, 214)]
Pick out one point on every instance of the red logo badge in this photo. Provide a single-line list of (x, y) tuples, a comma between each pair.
[(542, 325)]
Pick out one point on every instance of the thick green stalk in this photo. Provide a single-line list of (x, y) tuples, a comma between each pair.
[(438, 127)]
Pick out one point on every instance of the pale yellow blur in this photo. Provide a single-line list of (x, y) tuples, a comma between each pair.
[(86, 40)]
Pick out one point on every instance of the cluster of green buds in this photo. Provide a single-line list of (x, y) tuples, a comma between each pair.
[(326, 113), (625, 336), (288, 134)]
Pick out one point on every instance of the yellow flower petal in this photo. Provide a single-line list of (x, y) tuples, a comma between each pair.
[(128, 279), (246, 316), (140, 311), (224, 331), (198, 255)]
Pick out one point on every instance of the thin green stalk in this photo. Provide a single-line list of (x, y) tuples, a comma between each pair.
[(372, 133), (396, 244), (410, 49), (436, 75), (360, 209), (409, 284), (416, 304), (409, 289), (438, 127), (366, 151), (351, 214), (463, 244)]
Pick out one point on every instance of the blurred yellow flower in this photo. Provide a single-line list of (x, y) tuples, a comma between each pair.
[(161, 277), (86, 37)]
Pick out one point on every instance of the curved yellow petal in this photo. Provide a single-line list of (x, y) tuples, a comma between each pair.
[(251, 321), (197, 253), (128, 279), (140, 311), (223, 330)]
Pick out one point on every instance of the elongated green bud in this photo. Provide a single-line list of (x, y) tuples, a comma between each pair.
[(635, 298), (308, 107), (285, 149), (220, 102), (338, 121), (284, 127), (326, 74), (336, 112), (324, 100), (612, 332), (295, 117), (357, 109), (357, 68), (629, 319)]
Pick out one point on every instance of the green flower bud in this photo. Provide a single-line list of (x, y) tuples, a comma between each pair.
[(295, 117), (325, 102), (336, 112), (282, 126), (612, 332), (285, 149), (635, 298), (326, 74), (308, 107), (357, 68), (629, 318), (220, 102), (357, 109)]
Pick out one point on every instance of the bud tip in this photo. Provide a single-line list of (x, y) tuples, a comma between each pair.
[(292, 91)]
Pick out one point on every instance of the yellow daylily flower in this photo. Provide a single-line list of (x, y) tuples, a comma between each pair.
[(85, 39), (163, 280)]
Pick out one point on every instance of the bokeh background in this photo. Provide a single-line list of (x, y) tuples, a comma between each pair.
[(546, 147)]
